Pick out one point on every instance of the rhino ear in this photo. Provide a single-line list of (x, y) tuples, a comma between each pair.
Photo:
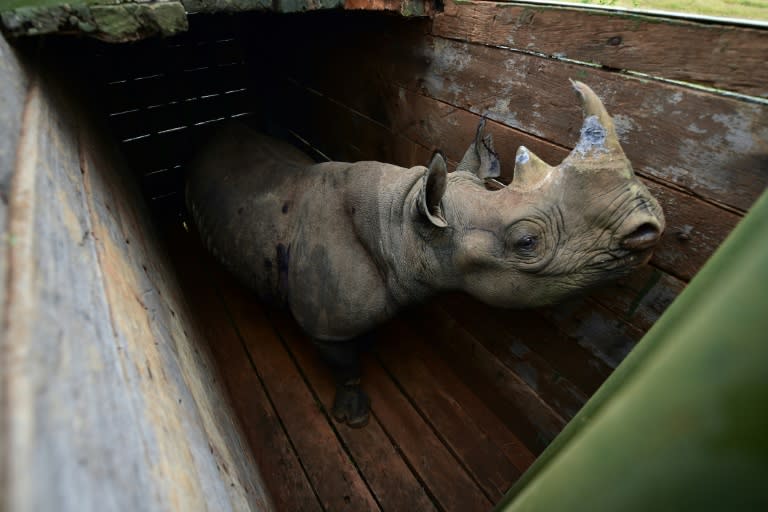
[(481, 158), (433, 189)]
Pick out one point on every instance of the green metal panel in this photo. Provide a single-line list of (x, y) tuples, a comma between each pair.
[(682, 424)]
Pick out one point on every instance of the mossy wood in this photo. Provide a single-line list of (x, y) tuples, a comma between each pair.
[(130, 20)]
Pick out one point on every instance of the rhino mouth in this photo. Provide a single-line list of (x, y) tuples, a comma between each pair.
[(619, 261)]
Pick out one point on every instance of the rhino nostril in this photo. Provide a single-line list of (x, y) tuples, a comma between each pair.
[(644, 237)]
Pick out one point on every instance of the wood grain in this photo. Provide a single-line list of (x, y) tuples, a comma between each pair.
[(336, 480), (640, 298), (463, 433), (468, 399), (716, 55), (14, 81), (151, 322), (508, 396), (110, 403), (713, 146), (277, 461), (379, 460), (513, 338), (451, 486)]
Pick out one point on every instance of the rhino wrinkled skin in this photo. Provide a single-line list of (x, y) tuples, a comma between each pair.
[(346, 245)]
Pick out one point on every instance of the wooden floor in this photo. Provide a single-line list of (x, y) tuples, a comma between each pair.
[(431, 444)]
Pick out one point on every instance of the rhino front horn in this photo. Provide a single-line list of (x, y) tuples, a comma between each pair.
[(598, 134)]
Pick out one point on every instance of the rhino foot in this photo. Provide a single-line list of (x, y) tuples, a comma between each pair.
[(351, 405)]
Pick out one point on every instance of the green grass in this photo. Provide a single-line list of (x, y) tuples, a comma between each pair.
[(750, 9)]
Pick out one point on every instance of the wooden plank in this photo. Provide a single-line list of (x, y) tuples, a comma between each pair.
[(334, 476), (192, 441), (108, 404), (713, 146), (354, 137), (512, 337), (379, 460), (485, 458), (280, 466), (710, 145), (186, 113), (535, 423), (14, 81), (451, 486), (695, 229), (667, 48), (595, 328), (64, 412), (128, 21), (470, 402), (641, 298)]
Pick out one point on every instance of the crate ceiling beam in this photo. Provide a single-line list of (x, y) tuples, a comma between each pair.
[(131, 20)]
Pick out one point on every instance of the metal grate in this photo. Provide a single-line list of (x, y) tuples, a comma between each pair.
[(161, 97)]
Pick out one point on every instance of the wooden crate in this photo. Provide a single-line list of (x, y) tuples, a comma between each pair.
[(137, 375)]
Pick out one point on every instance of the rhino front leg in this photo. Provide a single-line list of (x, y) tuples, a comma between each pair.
[(350, 405)]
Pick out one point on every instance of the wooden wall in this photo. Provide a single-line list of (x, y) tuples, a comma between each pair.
[(377, 87), (110, 400)]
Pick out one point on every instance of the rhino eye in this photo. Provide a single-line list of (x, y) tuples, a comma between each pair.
[(527, 243)]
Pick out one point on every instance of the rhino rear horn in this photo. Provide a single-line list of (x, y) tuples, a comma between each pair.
[(481, 158), (433, 189), (530, 170)]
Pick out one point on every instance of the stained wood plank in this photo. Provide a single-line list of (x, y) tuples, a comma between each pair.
[(595, 328), (734, 59), (641, 298), (379, 460), (174, 384), (451, 486), (535, 423), (50, 461), (710, 145), (14, 81), (483, 457), (512, 337), (354, 137), (280, 466), (111, 402), (469, 400), (693, 134), (334, 477)]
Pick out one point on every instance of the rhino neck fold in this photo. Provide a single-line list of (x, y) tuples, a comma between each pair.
[(409, 249)]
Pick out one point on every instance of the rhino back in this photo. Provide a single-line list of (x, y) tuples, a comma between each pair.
[(339, 273), (308, 236), (239, 192)]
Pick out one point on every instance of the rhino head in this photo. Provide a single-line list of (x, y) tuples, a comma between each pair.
[(553, 231)]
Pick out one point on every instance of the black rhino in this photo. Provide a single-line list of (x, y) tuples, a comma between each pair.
[(346, 245)]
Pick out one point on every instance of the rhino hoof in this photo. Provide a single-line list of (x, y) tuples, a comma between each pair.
[(351, 405)]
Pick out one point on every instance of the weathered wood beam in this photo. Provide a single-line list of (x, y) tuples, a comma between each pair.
[(102, 19), (131, 20), (712, 54)]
